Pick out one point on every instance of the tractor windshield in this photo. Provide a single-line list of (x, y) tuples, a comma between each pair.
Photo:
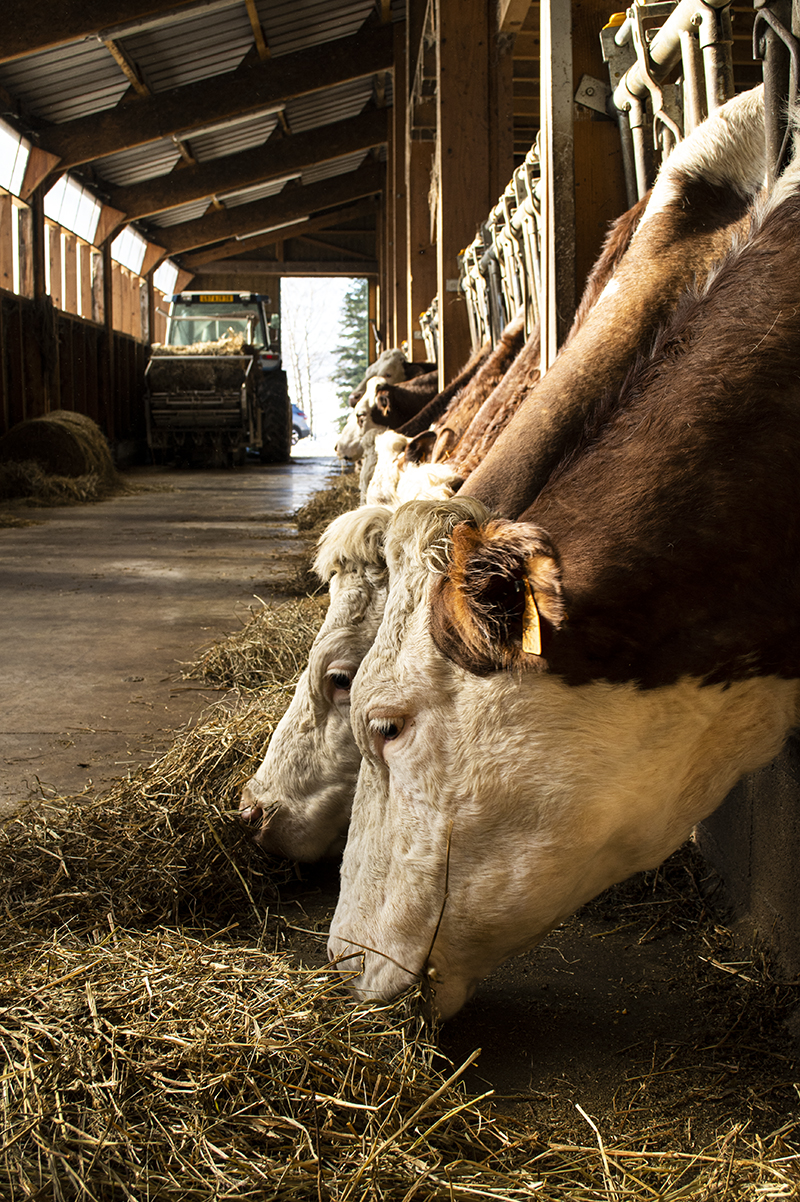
[(209, 322)]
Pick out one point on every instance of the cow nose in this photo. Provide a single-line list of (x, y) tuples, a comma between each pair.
[(251, 811)]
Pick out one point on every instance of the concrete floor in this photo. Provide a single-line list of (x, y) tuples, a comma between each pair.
[(101, 603)]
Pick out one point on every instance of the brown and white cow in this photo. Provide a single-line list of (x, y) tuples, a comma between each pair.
[(551, 704)]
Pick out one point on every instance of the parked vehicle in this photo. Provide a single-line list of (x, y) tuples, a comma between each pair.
[(216, 385), (300, 426)]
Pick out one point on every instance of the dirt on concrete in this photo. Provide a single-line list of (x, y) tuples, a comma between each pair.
[(102, 603)]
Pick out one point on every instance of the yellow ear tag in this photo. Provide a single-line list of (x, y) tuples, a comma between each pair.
[(531, 626)]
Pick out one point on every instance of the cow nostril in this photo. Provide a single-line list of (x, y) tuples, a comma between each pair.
[(251, 811)]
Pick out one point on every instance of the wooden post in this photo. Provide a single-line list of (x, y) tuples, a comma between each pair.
[(6, 242), (70, 272), (85, 300), (420, 248), (558, 175), (401, 331), (53, 233), (107, 381), (465, 39), (372, 317)]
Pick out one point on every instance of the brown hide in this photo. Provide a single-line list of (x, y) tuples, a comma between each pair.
[(680, 242), (435, 408), (395, 404), (463, 407), (672, 531), (498, 409)]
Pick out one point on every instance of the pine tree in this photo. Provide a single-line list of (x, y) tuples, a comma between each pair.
[(351, 353)]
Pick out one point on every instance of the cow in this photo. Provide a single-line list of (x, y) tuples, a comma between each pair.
[(385, 406), (298, 802), (394, 367), (524, 368), (394, 480), (552, 703)]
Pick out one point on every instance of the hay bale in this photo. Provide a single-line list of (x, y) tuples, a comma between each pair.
[(62, 443)]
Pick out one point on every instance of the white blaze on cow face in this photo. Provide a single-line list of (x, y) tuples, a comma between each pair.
[(488, 808), (300, 798)]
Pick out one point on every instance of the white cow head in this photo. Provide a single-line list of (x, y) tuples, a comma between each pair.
[(349, 444), (300, 798), (489, 807)]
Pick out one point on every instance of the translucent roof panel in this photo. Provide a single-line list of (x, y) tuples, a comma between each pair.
[(139, 163), (71, 206), (334, 104), (291, 25), (185, 51), (67, 82)]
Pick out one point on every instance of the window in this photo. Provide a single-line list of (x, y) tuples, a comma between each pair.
[(14, 152), (73, 208), (128, 249)]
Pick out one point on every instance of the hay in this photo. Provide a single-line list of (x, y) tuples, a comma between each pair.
[(168, 373), (341, 496), (63, 444), (162, 846), (27, 481), (233, 344), (271, 648), (156, 1045)]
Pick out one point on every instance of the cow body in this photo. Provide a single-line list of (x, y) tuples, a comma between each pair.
[(551, 704)]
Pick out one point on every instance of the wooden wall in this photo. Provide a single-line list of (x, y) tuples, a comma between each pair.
[(54, 360)]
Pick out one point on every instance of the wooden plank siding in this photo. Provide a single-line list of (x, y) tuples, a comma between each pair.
[(74, 373)]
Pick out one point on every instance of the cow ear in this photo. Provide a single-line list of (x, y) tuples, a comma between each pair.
[(419, 447), (500, 599)]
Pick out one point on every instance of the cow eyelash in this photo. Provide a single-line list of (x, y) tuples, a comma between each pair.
[(340, 680), (387, 728)]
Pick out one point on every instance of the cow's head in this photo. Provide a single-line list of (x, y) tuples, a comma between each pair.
[(298, 802), (493, 798)]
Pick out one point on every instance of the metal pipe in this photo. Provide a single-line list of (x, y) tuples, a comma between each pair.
[(663, 52), (716, 44), (694, 107)]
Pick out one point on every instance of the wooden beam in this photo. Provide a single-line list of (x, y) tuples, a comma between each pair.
[(40, 164), (28, 27), (291, 204), (243, 267), (152, 257), (397, 196), (258, 32), (251, 166), (273, 237), (127, 66), (511, 15), (253, 87), (110, 220)]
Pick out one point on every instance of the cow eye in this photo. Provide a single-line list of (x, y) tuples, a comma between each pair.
[(341, 680), (388, 728)]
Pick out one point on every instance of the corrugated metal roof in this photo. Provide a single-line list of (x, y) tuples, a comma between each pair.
[(232, 200), (199, 48), (291, 25), (139, 163), (188, 212), (231, 138), (67, 82), (341, 166), (334, 104)]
